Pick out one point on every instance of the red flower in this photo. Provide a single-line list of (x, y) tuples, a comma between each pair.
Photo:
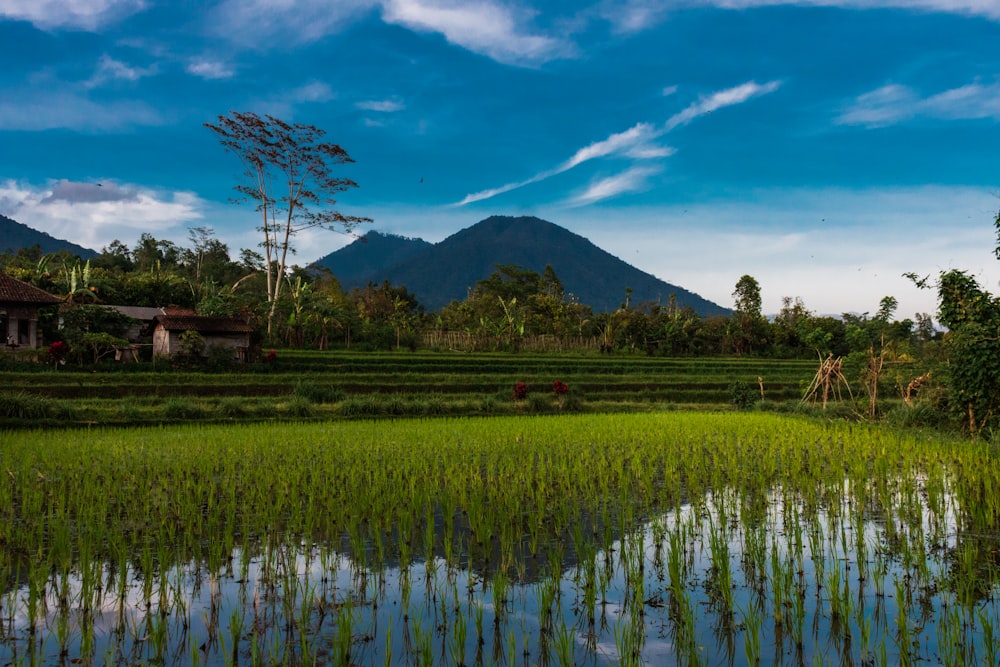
[(520, 391)]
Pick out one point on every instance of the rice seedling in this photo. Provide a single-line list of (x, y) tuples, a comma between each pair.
[(305, 543)]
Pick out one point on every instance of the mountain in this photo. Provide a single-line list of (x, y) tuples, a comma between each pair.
[(14, 236), (443, 272), (356, 263)]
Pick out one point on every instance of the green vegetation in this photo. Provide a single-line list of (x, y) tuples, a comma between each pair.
[(348, 385), (625, 539)]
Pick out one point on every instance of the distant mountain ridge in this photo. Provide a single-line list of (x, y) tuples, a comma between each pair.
[(15, 235), (443, 272)]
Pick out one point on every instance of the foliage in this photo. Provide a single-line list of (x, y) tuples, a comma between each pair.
[(972, 316), (82, 319), (23, 405), (743, 395), (520, 391), (294, 155)]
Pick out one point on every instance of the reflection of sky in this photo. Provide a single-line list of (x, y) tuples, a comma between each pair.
[(424, 599)]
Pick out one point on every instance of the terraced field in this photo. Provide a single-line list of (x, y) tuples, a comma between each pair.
[(324, 385)]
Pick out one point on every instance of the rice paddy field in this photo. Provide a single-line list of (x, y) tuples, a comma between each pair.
[(321, 386), (656, 538)]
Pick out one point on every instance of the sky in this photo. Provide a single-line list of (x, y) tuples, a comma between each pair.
[(824, 147)]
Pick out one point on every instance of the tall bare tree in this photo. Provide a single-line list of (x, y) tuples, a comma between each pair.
[(287, 172)]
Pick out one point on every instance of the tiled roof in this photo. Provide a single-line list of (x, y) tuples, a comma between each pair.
[(203, 324), (13, 290)]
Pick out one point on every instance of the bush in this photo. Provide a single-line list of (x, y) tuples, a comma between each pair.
[(318, 393), (299, 407), (742, 395), (539, 402), (22, 405), (231, 406), (181, 408)]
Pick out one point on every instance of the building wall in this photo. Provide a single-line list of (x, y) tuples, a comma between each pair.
[(20, 326), (167, 343)]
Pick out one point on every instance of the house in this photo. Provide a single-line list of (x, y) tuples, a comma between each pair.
[(19, 304), (217, 332), (142, 320)]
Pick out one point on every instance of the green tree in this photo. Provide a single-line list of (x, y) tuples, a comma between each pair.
[(288, 175), (748, 326)]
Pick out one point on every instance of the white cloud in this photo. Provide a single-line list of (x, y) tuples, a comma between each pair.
[(987, 8), (617, 143), (385, 106), (630, 16), (805, 242), (635, 179), (499, 30), (317, 91), (719, 100), (72, 14), (895, 103), (93, 215), (47, 110), (265, 24), (109, 69), (633, 140), (637, 141), (496, 30), (208, 68)]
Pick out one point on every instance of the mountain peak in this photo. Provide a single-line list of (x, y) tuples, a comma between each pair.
[(440, 273)]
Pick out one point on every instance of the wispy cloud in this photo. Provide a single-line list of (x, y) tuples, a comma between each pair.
[(988, 8), (316, 91), (109, 69), (208, 68), (263, 25), (637, 142), (894, 103), (500, 31), (72, 14), (631, 140), (719, 100), (384, 106), (635, 179), (69, 110), (94, 215), (630, 16)]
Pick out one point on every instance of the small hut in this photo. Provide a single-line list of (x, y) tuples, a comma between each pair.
[(19, 304), (217, 332)]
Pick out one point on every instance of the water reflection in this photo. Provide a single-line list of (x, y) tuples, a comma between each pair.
[(725, 579)]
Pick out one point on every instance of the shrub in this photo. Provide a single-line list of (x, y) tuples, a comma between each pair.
[(520, 391), (181, 408), (299, 407), (231, 406), (22, 405), (318, 393), (539, 403), (742, 395)]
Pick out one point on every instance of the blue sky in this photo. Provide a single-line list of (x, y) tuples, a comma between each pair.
[(823, 146)]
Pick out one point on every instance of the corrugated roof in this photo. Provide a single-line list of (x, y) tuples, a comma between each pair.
[(138, 312), (13, 290), (203, 324)]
